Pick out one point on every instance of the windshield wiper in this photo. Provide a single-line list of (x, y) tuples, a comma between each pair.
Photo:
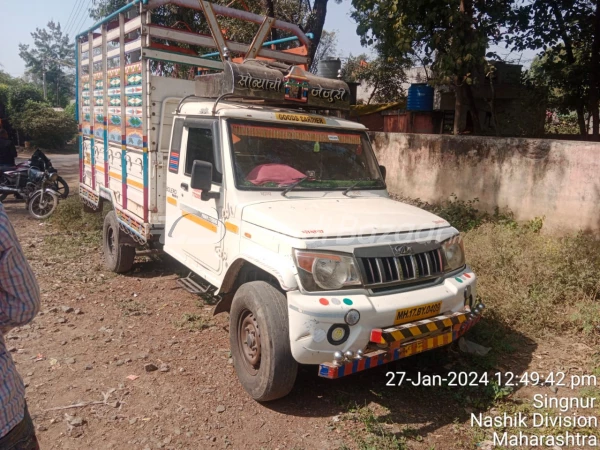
[(354, 185), (293, 185), (357, 182)]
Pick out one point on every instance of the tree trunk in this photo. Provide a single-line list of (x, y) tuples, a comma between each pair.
[(269, 6), (594, 75), (473, 108), (44, 83), (459, 111), (581, 117), (315, 26)]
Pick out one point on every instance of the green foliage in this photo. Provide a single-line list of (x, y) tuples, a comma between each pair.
[(19, 95), (461, 214), (562, 124), (566, 32), (46, 127), (384, 75), (51, 62), (458, 37)]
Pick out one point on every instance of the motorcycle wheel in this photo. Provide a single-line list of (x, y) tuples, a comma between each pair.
[(42, 205), (61, 187), (3, 181)]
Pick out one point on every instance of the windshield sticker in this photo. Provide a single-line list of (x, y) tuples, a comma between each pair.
[(297, 135), (333, 138), (300, 118)]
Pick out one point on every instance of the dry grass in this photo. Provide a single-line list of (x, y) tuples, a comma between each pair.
[(531, 281), (535, 282)]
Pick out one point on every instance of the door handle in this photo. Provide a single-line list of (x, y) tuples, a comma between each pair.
[(184, 186)]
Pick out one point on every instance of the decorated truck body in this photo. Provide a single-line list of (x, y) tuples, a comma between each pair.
[(279, 210)]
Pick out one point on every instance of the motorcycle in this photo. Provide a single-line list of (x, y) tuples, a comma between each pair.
[(40, 199), (19, 178)]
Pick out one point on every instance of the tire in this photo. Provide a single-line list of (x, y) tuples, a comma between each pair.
[(3, 181), (267, 369), (61, 187), (118, 257), (42, 205)]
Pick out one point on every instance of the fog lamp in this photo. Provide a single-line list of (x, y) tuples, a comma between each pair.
[(338, 334), (352, 317)]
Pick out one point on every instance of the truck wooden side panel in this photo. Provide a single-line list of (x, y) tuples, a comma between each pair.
[(125, 103)]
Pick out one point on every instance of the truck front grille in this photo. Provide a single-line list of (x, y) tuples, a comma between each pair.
[(401, 269)]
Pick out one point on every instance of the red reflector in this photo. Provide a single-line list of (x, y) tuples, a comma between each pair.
[(376, 335), (467, 275), (324, 301)]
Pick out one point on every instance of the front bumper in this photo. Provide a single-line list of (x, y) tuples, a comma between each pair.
[(402, 348), (310, 319)]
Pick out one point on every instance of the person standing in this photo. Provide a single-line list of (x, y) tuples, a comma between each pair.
[(19, 304), (8, 151)]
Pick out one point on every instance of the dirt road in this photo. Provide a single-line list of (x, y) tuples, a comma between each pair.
[(85, 362)]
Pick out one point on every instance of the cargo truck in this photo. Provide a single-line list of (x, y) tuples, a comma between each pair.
[(248, 175)]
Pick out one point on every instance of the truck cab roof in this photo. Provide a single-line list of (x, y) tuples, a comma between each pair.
[(263, 113)]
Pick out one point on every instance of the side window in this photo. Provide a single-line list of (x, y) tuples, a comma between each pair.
[(200, 147)]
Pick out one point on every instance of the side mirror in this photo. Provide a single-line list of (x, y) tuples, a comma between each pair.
[(383, 171), (202, 179)]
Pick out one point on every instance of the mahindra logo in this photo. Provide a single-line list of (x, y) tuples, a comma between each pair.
[(401, 250)]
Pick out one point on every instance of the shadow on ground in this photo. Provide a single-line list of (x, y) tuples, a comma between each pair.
[(427, 408)]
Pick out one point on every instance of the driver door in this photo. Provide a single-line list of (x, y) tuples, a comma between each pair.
[(193, 231)]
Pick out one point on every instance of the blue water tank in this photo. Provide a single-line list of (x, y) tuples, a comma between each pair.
[(420, 97)]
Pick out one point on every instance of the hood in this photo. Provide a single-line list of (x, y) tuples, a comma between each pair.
[(340, 217)]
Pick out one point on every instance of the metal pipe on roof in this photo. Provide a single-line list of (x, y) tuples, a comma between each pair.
[(266, 44)]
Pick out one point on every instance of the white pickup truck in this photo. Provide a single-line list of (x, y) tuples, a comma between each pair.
[(279, 212)]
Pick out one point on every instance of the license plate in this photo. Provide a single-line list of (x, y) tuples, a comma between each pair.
[(417, 313)]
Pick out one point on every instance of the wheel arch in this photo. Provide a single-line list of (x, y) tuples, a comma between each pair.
[(245, 269)]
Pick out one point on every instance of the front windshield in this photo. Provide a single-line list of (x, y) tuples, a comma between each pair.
[(267, 156)]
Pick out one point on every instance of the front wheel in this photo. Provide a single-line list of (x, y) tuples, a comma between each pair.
[(42, 204), (61, 187), (260, 341)]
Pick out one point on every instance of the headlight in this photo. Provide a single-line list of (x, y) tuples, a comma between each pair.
[(326, 271), (53, 176), (454, 253)]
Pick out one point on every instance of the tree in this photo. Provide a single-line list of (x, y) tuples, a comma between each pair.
[(384, 75), (326, 49), (451, 35), (567, 80), (310, 18), (47, 127), (51, 61), (569, 33)]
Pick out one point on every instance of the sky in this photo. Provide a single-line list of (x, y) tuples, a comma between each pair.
[(21, 17)]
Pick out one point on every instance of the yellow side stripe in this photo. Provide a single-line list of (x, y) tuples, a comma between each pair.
[(200, 221), (171, 201), (232, 227), (136, 184)]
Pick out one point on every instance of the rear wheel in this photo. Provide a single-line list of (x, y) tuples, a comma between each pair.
[(118, 257), (260, 341), (42, 204)]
